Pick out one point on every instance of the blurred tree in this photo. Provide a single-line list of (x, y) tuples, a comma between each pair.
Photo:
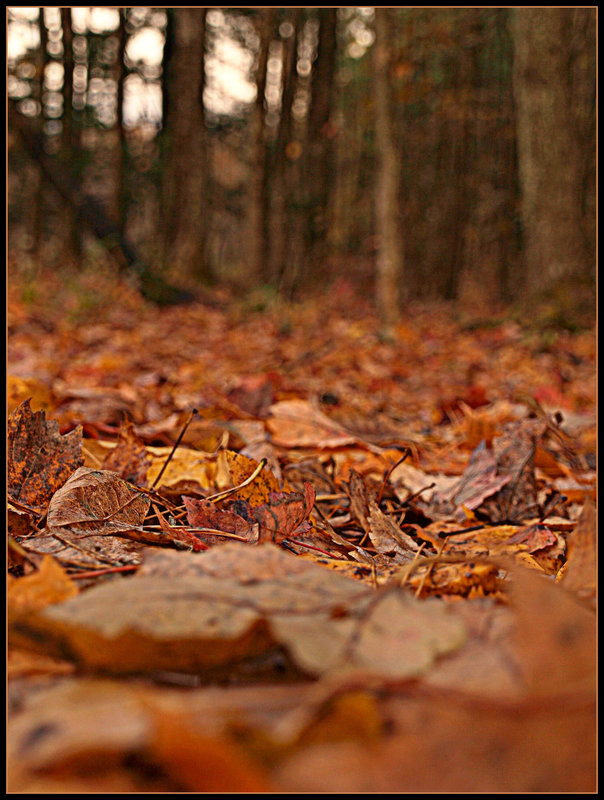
[(122, 160), (259, 178), (320, 159), (281, 150), (548, 150), (389, 264), (481, 142), (69, 144), (184, 158), (42, 187)]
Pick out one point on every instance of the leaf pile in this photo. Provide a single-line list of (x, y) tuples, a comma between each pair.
[(350, 555)]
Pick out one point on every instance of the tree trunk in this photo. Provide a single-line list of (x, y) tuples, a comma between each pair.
[(548, 154), (121, 167), (184, 183), (279, 231), (72, 237), (390, 250), (259, 194), (321, 156), (38, 204)]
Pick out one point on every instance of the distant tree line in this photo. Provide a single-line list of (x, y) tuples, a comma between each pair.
[(415, 152)]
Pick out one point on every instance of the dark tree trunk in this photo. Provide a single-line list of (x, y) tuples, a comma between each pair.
[(279, 162), (321, 155), (184, 179), (389, 267), (122, 161), (38, 205), (548, 153), (69, 147), (259, 195)]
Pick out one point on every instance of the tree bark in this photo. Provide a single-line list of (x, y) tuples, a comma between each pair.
[(389, 266), (259, 195), (184, 183), (38, 204), (122, 146), (321, 156), (548, 155), (69, 147), (279, 212)]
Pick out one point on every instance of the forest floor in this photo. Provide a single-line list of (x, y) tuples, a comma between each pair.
[(368, 566)]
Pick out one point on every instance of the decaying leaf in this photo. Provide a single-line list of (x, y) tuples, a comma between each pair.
[(240, 468), (295, 423), (259, 607), (580, 571), (129, 459), (479, 481), (277, 519), (49, 585), (388, 537), (39, 459), (87, 517), (96, 501)]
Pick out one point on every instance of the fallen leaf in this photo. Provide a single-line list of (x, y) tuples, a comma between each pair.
[(204, 763), (93, 501), (39, 459), (580, 572), (387, 537), (295, 423), (305, 619), (50, 584), (129, 459), (240, 468), (479, 481), (284, 513)]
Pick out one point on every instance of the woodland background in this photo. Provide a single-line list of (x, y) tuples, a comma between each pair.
[(417, 153)]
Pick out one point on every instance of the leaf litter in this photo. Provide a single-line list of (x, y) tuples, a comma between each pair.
[(301, 584)]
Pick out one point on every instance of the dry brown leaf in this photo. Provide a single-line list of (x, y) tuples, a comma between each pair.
[(129, 458), (387, 537), (50, 584), (580, 571), (295, 423), (233, 611), (39, 459)]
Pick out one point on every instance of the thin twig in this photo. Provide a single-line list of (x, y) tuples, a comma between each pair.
[(176, 443)]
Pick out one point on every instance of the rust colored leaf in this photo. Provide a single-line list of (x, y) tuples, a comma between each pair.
[(304, 619), (273, 521), (204, 763), (295, 423), (388, 538), (240, 468), (580, 572), (50, 584), (39, 459), (129, 459), (204, 514), (283, 515), (479, 481)]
